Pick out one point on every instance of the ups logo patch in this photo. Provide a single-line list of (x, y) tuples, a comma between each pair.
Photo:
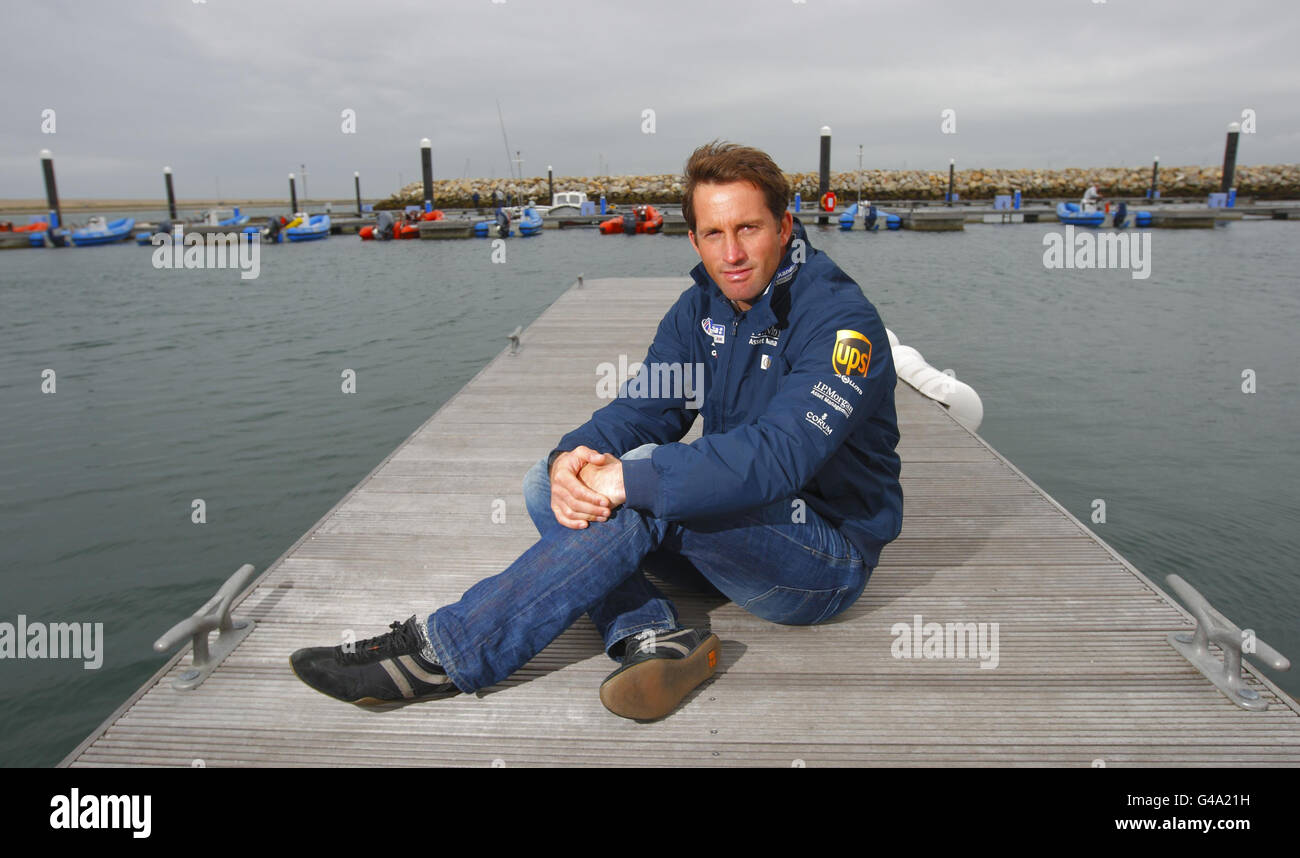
[(852, 353)]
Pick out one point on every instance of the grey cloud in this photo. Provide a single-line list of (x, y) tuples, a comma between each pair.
[(244, 92)]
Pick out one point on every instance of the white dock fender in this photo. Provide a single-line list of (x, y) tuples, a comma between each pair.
[(961, 400)]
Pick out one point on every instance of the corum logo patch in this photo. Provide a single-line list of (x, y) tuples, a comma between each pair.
[(852, 353)]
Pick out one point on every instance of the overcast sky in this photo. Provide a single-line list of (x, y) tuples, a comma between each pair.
[(241, 93)]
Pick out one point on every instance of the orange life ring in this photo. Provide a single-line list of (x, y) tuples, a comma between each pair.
[(828, 201)]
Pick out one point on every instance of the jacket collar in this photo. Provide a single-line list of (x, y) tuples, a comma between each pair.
[(761, 313)]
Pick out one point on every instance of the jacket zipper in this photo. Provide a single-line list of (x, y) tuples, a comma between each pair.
[(724, 411)]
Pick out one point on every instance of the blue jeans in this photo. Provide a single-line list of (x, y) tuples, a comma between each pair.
[(781, 562)]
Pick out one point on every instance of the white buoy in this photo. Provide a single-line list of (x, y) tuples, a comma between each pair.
[(961, 400)]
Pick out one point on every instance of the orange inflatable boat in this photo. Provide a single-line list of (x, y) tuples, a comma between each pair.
[(640, 219)]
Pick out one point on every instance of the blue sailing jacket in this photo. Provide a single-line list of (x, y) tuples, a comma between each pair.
[(798, 402)]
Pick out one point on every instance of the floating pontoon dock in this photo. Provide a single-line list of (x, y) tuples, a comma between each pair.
[(1085, 671)]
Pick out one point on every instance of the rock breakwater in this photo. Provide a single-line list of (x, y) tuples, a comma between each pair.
[(1261, 182)]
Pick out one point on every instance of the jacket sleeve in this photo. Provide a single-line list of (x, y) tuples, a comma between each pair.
[(837, 380), (632, 420)]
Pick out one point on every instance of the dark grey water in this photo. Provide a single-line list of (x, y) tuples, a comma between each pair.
[(176, 385)]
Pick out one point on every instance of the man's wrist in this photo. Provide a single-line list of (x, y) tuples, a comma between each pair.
[(550, 460), (622, 489)]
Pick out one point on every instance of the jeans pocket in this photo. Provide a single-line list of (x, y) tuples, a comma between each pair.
[(793, 606)]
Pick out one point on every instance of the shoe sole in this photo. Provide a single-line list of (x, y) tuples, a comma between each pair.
[(654, 688)]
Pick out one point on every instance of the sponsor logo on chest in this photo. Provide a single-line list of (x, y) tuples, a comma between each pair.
[(766, 337), (716, 330)]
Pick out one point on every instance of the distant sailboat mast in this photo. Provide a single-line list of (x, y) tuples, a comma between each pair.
[(505, 139)]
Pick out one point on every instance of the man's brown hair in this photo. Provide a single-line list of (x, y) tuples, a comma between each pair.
[(720, 162)]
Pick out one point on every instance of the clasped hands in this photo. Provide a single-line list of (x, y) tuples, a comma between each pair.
[(585, 486)]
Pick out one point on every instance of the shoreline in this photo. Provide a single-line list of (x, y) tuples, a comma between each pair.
[(38, 205)]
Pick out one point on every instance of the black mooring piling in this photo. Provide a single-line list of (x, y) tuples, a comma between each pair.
[(171, 193), (51, 189), (293, 196), (824, 172), (356, 179), (426, 164), (1230, 156)]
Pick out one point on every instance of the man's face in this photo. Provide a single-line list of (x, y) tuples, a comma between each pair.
[(738, 239)]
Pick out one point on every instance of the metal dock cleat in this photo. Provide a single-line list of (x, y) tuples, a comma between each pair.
[(1213, 627), (215, 614)]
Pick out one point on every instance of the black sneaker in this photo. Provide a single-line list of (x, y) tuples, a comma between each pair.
[(380, 670), (659, 669)]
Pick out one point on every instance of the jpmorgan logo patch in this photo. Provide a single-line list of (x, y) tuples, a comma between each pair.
[(852, 353), (823, 391)]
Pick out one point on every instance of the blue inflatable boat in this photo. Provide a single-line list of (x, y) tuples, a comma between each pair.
[(498, 226), (872, 218), (531, 222), (1071, 213), (316, 227), (101, 232), (1121, 217), (236, 219)]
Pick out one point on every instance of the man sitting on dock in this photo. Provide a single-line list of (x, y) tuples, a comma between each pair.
[(782, 506)]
